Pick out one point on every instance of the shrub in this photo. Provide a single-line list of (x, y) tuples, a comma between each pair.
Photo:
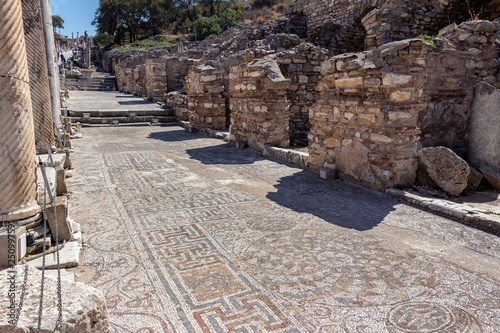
[(231, 18), (204, 26)]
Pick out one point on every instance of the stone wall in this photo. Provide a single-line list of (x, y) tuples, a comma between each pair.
[(178, 102), (451, 72), (177, 69), (156, 74), (259, 105), (355, 25), (302, 66), (336, 23), (374, 105), (140, 81), (207, 104), (399, 20), (125, 78)]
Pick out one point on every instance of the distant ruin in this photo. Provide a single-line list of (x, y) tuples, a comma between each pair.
[(358, 88)]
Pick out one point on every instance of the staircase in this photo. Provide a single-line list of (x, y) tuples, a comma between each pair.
[(105, 108), (92, 83), (124, 117)]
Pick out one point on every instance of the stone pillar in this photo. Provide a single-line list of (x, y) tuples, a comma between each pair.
[(156, 74), (207, 105), (52, 67), (88, 47), (39, 79), (260, 111), (18, 186)]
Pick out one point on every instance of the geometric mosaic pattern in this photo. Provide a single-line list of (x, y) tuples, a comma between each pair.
[(185, 233)]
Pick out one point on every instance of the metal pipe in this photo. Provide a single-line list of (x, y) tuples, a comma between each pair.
[(51, 63), (39, 80), (18, 185)]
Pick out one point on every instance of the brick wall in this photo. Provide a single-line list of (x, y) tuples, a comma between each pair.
[(156, 79), (140, 81), (177, 69), (206, 104), (125, 78), (178, 102), (259, 105), (302, 66)]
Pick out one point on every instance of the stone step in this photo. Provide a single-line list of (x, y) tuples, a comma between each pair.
[(119, 120), (93, 83), (133, 124), (120, 113)]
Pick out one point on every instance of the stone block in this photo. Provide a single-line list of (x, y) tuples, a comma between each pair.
[(61, 181), (327, 173), (393, 79), (484, 137), (84, 307), (475, 178), (400, 96), (492, 175), (445, 168), (12, 245), (355, 82), (63, 227)]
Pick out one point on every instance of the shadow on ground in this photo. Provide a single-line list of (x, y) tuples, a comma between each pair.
[(338, 202), (225, 153), (136, 103), (175, 136)]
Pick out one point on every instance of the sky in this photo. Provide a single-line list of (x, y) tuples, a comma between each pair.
[(77, 15)]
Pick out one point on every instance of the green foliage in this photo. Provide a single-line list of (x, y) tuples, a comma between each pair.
[(433, 41), (204, 26), (231, 18), (104, 40), (249, 57), (493, 213), (57, 22), (120, 17), (153, 41), (427, 40)]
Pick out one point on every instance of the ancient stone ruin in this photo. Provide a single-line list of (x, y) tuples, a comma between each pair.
[(35, 146), (362, 84)]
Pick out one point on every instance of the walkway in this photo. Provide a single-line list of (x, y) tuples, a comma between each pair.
[(185, 233)]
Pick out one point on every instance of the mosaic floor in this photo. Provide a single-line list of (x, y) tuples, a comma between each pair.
[(185, 233)]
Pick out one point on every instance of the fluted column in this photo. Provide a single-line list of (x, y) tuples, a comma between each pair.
[(18, 185), (39, 79), (50, 48)]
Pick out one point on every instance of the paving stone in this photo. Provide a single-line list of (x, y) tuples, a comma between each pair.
[(184, 232)]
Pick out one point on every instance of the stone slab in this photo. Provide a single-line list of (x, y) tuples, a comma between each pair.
[(84, 307), (69, 256), (484, 137), (57, 158), (51, 176), (480, 218), (65, 274)]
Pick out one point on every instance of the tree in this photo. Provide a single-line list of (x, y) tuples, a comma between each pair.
[(115, 16), (57, 22)]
